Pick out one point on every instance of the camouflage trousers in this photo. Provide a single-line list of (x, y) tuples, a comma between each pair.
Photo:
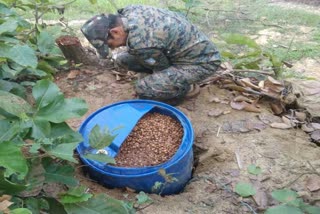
[(172, 82)]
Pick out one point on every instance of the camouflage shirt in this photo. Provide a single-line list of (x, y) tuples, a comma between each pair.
[(159, 37)]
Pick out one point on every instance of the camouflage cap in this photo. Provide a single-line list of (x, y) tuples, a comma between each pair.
[(96, 31)]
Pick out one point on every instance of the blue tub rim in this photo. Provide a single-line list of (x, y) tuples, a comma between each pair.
[(182, 118)]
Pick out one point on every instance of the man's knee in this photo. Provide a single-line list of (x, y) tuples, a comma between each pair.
[(130, 62), (159, 87)]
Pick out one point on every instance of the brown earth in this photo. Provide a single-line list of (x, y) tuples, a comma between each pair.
[(287, 157), (225, 146)]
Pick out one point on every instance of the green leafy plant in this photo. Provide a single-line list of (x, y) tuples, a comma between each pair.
[(98, 141), (158, 186), (245, 189), (253, 169), (143, 198), (290, 203), (25, 53), (244, 53), (36, 144)]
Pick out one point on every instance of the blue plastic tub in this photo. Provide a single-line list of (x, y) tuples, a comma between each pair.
[(148, 179)]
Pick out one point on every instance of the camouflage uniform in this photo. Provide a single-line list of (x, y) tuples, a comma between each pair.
[(165, 44)]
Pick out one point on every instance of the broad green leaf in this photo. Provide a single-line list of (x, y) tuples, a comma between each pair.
[(284, 195), (46, 67), (283, 209), (100, 157), (8, 72), (20, 211), (36, 72), (63, 109), (59, 173), (9, 26), (93, 1), (12, 158), (35, 179), (311, 209), (99, 139), (45, 42), (55, 206), (8, 187), (40, 129), (23, 55), (96, 205), (245, 189), (64, 133), (75, 195), (253, 169), (4, 10), (8, 39), (76, 199), (8, 130), (13, 88), (64, 151), (77, 191), (36, 206), (14, 105), (142, 198), (45, 92)]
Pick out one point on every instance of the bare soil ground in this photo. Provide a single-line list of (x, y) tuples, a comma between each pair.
[(225, 146), (287, 157)]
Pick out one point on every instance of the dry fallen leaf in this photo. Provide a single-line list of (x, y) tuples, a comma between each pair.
[(226, 112), (215, 113), (307, 128), (261, 84), (280, 126), (88, 71), (313, 183), (242, 126), (73, 74), (5, 203), (214, 100), (288, 121), (261, 198), (274, 81), (301, 116), (241, 98), (245, 106), (247, 82), (315, 136), (316, 126), (276, 108)]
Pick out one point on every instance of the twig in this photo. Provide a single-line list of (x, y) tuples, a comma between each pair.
[(238, 159), (230, 191), (139, 209), (294, 180), (314, 169), (272, 25), (207, 18), (90, 77), (254, 71), (248, 206), (290, 45), (218, 131)]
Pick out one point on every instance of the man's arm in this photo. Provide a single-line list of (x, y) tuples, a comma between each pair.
[(151, 58)]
